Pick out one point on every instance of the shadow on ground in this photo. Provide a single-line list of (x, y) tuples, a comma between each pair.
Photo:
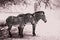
[(26, 37)]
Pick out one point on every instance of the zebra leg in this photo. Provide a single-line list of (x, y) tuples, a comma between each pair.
[(9, 28), (20, 32), (34, 26)]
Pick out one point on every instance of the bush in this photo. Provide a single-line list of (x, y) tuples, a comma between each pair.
[(3, 32)]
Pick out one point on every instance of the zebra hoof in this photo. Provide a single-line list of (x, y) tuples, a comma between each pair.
[(34, 34)]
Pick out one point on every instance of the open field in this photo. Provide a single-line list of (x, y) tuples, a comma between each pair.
[(44, 31)]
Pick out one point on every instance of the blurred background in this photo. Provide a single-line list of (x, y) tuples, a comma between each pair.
[(44, 31)]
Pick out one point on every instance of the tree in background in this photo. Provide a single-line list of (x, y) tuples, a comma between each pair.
[(3, 2), (37, 3)]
